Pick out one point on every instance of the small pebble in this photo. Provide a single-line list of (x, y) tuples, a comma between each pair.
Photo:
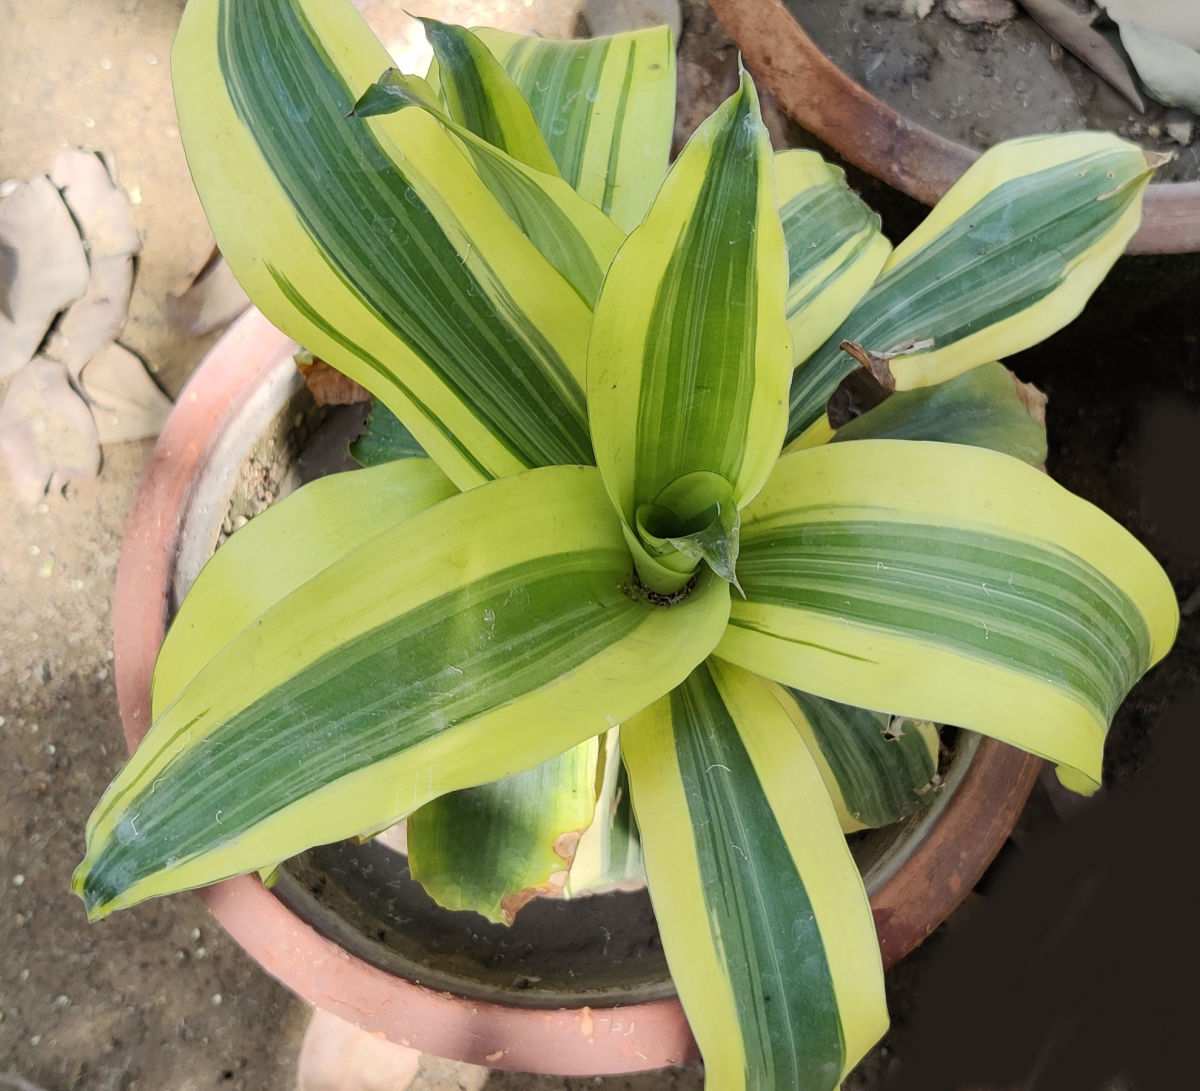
[(24, 976), (2, 721), (18, 880), (106, 64), (202, 952), (180, 956), (102, 674), (36, 1040), (135, 195), (195, 933), (35, 551), (89, 122), (62, 1001), (216, 1000), (51, 749), (151, 58)]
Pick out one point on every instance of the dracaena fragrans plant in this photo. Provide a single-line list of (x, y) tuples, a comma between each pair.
[(629, 526)]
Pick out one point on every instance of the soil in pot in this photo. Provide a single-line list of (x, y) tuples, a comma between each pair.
[(978, 84)]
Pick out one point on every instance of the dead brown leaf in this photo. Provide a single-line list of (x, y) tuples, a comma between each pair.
[(329, 386)]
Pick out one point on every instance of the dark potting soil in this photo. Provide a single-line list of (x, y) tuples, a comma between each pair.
[(982, 84)]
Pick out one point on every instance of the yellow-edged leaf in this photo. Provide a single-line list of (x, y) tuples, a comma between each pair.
[(762, 912), (1009, 255), (606, 107), (376, 243), (834, 244), (951, 584), (481, 96), (474, 640), (689, 356)]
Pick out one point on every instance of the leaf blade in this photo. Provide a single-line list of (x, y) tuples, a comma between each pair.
[(1009, 255), (834, 243), (262, 564), (876, 771), (404, 678), (357, 237), (950, 584), (480, 95), (762, 912), (606, 107), (689, 354), (495, 847), (987, 406)]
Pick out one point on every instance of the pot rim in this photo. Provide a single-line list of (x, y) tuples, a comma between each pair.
[(865, 131), (910, 904)]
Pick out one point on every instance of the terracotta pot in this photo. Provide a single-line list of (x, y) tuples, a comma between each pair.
[(836, 109), (347, 930)]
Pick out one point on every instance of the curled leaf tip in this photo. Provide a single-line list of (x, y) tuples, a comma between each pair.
[(876, 364)]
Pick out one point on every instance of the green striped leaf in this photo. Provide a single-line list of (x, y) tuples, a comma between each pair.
[(950, 584), (609, 855), (985, 407), (481, 96), (493, 848), (876, 768), (577, 239), (689, 356), (762, 912), (384, 439), (1010, 254), (375, 242), (472, 641), (834, 244), (606, 107), (280, 550)]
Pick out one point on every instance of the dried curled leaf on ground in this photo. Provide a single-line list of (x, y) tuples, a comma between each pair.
[(1169, 68), (1073, 30), (45, 265), (1176, 19)]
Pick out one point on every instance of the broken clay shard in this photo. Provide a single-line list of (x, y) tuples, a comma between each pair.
[(47, 435), (44, 267)]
